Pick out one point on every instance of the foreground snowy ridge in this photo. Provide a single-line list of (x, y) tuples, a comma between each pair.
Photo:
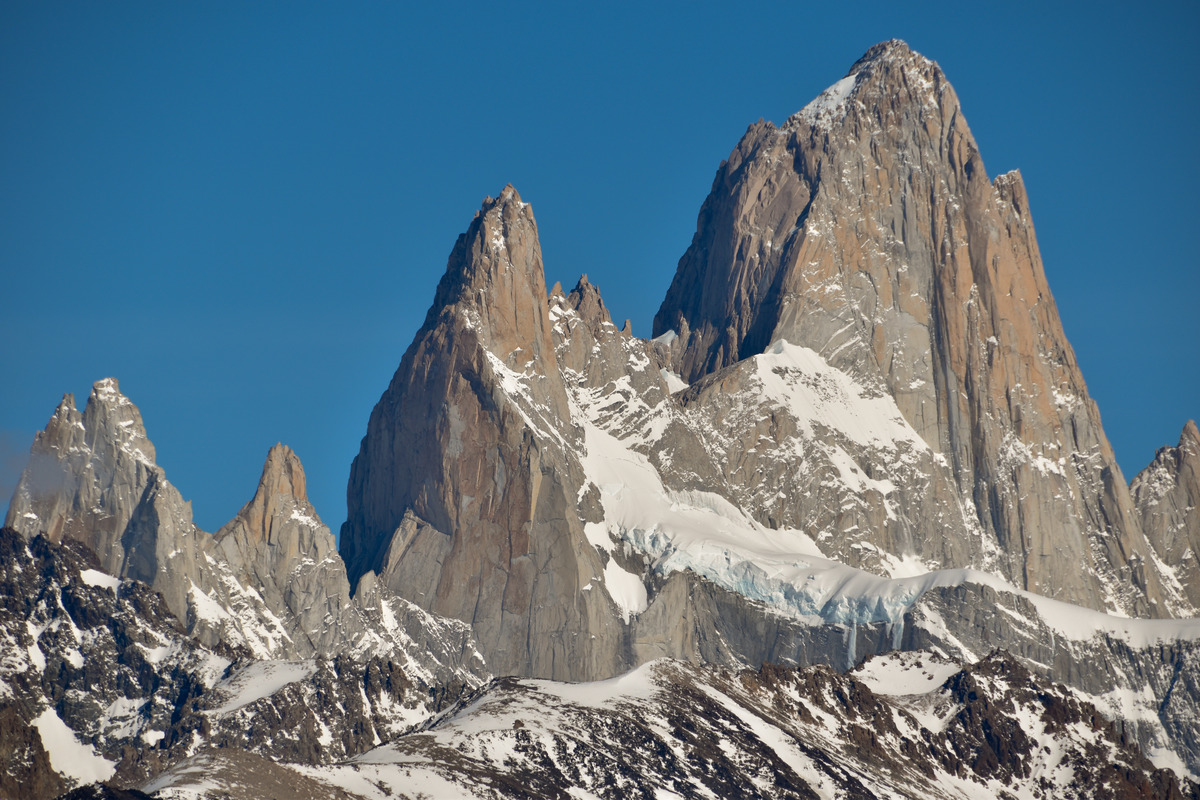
[(902, 725)]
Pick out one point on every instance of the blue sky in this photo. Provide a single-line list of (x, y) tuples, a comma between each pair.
[(241, 210)]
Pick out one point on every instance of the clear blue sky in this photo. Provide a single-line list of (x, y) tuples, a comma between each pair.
[(241, 210)]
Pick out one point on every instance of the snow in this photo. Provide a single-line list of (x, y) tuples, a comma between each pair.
[(905, 672), (156, 655), (673, 381), (517, 387), (94, 577), (784, 746), (122, 718), (305, 519), (829, 106), (260, 679), (35, 651), (206, 608), (821, 396), (73, 657), (784, 568), (626, 590), (251, 622), (385, 780), (69, 756), (637, 684), (1014, 452)]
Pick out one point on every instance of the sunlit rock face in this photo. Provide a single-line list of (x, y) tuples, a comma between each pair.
[(866, 230)]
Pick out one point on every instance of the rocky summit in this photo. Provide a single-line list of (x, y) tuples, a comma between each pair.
[(848, 525)]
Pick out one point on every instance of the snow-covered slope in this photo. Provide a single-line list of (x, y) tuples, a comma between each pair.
[(671, 730)]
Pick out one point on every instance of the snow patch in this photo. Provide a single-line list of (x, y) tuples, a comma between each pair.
[(94, 577), (829, 106), (905, 672), (68, 755), (673, 381), (260, 679), (626, 590)]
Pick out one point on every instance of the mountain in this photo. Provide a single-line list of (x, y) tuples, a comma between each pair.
[(858, 418), (909, 725), (462, 497), (866, 230), (858, 448), (100, 681), (176, 639), (269, 581)]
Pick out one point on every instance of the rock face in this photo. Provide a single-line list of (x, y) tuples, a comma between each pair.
[(278, 545), (91, 477), (462, 497), (866, 230), (1167, 495)]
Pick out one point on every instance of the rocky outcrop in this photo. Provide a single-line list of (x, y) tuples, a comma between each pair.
[(92, 478), (100, 681), (910, 725), (866, 230), (278, 545), (269, 584), (463, 495), (94, 669), (1167, 496)]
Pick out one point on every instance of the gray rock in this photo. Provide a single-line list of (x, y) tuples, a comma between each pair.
[(270, 583), (1167, 496)]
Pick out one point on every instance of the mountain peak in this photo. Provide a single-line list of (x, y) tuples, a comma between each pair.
[(110, 416), (888, 74), (1190, 433), (891, 50), (494, 280), (1189, 439), (281, 489), (585, 298), (283, 474), (108, 390)]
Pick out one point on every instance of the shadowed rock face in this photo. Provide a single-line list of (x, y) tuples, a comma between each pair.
[(1167, 494), (866, 229)]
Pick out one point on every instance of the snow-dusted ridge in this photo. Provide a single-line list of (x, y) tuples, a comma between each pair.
[(786, 569), (903, 725)]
